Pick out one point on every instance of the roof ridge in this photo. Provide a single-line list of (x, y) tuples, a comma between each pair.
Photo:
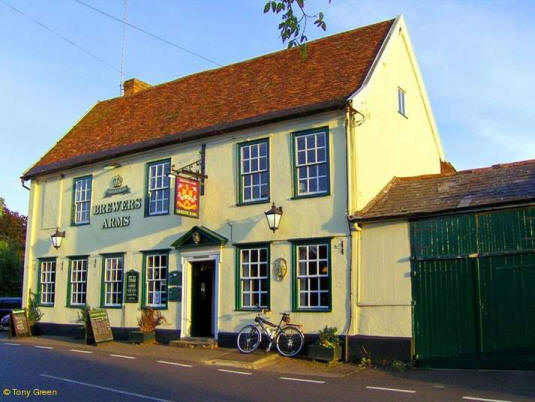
[(262, 56)]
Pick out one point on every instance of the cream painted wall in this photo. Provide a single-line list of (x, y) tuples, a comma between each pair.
[(387, 143), (384, 292), (303, 218)]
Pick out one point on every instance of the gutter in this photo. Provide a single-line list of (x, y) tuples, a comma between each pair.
[(182, 137)]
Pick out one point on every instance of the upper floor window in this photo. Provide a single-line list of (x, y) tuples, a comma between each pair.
[(47, 282), (311, 150), (82, 200), (254, 171), (401, 102), (77, 282), (158, 187)]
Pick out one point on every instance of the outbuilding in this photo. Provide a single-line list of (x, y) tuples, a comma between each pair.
[(470, 236)]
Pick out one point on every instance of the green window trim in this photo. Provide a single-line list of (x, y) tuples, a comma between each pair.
[(73, 203), (147, 196), (238, 282), (69, 284), (295, 291), (240, 198), (294, 137), (103, 273), (144, 279), (41, 261)]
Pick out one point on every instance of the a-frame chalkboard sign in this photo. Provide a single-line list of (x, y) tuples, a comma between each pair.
[(100, 326), (19, 327)]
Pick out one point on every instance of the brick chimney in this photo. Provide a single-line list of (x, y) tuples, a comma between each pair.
[(133, 86)]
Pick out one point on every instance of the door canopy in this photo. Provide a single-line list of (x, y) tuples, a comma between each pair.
[(199, 236)]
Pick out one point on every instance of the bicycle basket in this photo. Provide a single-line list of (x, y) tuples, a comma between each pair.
[(286, 318)]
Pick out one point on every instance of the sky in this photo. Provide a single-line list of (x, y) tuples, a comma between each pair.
[(477, 59)]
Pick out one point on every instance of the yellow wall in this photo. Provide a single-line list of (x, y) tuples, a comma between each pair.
[(384, 291), (388, 144), (305, 218)]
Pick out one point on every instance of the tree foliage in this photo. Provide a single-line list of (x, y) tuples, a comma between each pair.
[(12, 242), (294, 20)]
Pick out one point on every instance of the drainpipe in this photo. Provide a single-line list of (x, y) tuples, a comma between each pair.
[(22, 181)]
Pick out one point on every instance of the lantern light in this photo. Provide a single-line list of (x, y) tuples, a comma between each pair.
[(57, 238), (273, 217)]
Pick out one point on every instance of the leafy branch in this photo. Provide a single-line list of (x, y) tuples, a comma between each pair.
[(294, 21)]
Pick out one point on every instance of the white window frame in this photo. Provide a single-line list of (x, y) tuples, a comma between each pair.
[(158, 188), (151, 279), (250, 167), (78, 281), (113, 280), (312, 277), (401, 102), (311, 164), (82, 200), (246, 276), (47, 282)]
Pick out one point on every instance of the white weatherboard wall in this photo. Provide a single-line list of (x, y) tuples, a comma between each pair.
[(384, 294), (303, 218)]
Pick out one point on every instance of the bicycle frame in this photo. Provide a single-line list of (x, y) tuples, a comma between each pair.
[(271, 336)]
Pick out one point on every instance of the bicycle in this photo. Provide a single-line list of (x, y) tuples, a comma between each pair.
[(287, 337)]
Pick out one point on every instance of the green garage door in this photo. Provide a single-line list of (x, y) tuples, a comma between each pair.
[(473, 285)]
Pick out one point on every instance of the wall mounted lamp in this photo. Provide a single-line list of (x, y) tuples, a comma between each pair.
[(273, 217), (57, 238)]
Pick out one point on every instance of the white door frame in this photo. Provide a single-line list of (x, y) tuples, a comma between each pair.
[(187, 258)]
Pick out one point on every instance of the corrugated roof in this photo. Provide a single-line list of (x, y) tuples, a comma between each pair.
[(475, 188), (274, 86)]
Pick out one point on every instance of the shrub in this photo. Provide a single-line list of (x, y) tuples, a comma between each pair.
[(34, 313), (150, 319), (328, 338), (83, 316)]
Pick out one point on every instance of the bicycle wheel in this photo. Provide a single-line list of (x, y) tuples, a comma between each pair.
[(249, 338), (290, 341)]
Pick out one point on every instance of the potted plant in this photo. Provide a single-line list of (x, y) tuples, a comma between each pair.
[(34, 314), (327, 348), (147, 323), (83, 318)]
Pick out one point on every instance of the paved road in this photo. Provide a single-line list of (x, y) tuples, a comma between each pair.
[(102, 376)]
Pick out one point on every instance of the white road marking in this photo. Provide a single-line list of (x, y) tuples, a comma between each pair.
[(175, 364), (11, 344), (234, 372), (301, 380), (407, 391), (475, 398), (80, 351), (123, 356), (43, 347), (105, 388)]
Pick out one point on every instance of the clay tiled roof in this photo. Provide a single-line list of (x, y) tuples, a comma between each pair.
[(497, 185), (274, 86)]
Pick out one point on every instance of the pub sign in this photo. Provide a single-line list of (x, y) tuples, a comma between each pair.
[(187, 197)]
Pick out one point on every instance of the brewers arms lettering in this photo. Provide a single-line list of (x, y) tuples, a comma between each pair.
[(117, 206)]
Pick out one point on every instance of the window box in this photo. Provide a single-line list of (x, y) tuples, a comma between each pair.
[(324, 354), (139, 337)]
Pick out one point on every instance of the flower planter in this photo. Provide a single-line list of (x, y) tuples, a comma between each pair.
[(79, 332), (35, 330), (142, 337), (321, 353)]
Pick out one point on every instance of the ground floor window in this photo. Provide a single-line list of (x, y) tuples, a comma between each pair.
[(253, 277), (156, 269), (312, 275), (78, 282), (47, 282), (113, 280)]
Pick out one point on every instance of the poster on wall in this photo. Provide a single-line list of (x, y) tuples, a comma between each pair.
[(187, 197)]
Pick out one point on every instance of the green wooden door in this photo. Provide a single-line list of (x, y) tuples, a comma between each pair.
[(473, 277)]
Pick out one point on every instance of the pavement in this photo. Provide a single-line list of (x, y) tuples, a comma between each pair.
[(69, 370)]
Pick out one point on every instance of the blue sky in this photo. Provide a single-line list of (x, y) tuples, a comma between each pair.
[(477, 59)]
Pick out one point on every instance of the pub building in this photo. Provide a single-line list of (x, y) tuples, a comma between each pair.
[(229, 191)]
